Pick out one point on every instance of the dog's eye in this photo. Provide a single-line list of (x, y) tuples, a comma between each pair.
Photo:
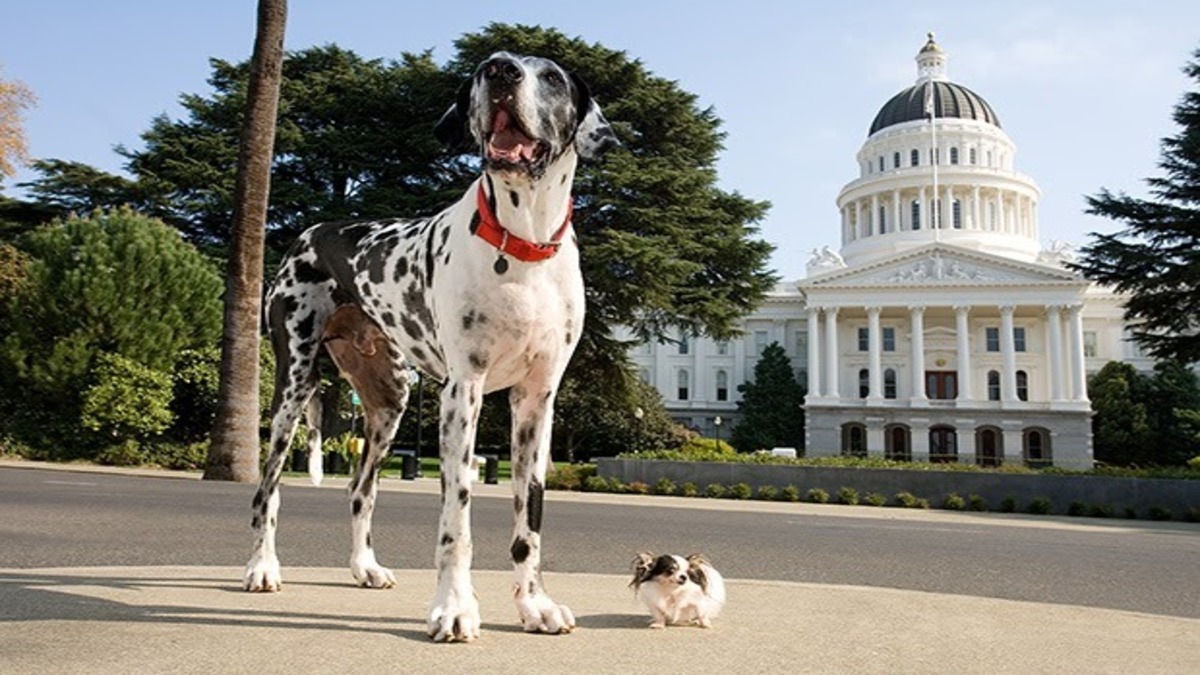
[(552, 78)]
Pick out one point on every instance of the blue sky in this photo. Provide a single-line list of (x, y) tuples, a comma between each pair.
[(1084, 89)]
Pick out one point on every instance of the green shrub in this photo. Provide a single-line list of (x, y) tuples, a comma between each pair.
[(954, 502), (1194, 463), (1129, 512), (907, 500), (1192, 515), (1077, 508), (1008, 504), (595, 484), (790, 493), (768, 493), (740, 491), (689, 490), (1159, 513), (569, 476), (637, 487), (1101, 511), (875, 499), (714, 491), (664, 486), (1040, 506), (976, 503), (848, 495), (818, 496), (125, 453), (126, 399)]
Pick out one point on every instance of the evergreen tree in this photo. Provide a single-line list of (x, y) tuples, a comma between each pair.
[(771, 406), (1156, 258), (1120, 425), (1172, 407)]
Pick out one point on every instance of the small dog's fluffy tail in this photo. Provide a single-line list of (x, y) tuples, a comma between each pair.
[(316, 469)]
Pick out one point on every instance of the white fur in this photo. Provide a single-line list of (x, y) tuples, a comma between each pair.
[(673, 597)]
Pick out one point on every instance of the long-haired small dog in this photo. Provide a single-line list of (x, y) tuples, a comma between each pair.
[(678, 590)]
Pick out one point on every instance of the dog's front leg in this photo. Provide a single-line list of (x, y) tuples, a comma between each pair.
[(454, 616), (532, 413)]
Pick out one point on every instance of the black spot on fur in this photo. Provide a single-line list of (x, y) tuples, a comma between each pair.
[(357, 506), (412, 328), (519, 550), (389, 319), (256, 521), (305, 327), (259, 498), (474, 222), (516, 198), (534, 515), (447, 540), (478, 361), (401, 269), (368, 540), (468, 320), (306, 274), (518, 504), (464, 496), (525, 435)]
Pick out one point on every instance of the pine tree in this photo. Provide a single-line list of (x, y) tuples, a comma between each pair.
[(1156, 258), (771, 406)]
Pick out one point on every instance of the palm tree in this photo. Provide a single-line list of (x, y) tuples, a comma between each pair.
[(234, 452)]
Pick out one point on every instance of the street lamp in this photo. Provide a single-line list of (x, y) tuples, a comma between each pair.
[(717, 421), (638, 414)]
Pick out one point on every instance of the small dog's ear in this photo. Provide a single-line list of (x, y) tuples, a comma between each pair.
[(641, 568), (696, 567), (451, 129), (594, 136)]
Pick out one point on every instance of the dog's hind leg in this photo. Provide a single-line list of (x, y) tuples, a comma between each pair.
[(316, 472), (532, 405)]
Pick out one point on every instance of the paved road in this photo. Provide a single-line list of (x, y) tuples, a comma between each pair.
[(54, 518)]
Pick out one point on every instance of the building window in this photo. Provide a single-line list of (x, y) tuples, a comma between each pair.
[(896, 445), (722, 385), (971, 156), (864, 339), (993, 385), (989, 449), (916, 214), (684, 347), (1018, 339), (989, 158), (992, 335), (1089, 343), (1037, 448), (854, 440), (941, 385), (760, 341), (1022, 385), (722, 347), (882, 219), (889, 383), (954, 155), (896, 160), (682, 382), (956, 214), (881, 164), (864, 383), (935, 156), (889, 339), (943, 445), (914, 158)]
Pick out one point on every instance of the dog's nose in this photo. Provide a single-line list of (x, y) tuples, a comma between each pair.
[(503, 70)]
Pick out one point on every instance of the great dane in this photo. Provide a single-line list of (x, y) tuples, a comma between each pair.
[(484, 296)]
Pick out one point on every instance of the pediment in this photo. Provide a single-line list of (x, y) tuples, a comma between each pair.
[(941, 264)]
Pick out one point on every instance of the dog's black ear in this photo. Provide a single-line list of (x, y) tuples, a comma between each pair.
[(594, 136), (451, 129), (696, 565)]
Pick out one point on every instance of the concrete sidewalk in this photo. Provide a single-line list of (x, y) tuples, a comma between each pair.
[(197, 620)]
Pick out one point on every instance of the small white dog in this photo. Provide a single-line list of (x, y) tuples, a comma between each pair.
[(678, 590)]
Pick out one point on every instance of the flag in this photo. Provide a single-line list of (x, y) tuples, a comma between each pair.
[(929, 99)]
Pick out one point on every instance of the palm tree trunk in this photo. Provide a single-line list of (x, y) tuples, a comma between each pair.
[(234, 452)]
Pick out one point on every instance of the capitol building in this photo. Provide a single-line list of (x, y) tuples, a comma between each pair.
[(941, 330)]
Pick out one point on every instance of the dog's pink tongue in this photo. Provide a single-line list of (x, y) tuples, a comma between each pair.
[(508, 143)]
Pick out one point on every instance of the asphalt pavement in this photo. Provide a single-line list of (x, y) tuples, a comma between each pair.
[(185, 619)]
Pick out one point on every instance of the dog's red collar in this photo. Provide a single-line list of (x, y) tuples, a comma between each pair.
[(491, 231)]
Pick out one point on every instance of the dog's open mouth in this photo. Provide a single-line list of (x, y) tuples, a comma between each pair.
[(508, 143)]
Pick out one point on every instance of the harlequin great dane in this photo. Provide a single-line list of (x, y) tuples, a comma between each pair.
[(484, 296)]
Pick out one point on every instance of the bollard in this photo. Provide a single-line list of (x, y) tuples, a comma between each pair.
[(491, 469)]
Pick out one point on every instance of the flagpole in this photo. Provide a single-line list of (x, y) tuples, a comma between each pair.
[(931, 109)]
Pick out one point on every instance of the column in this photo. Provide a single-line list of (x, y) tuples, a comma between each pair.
[(858, 219), (873, 224), (1054, 337), (1008, 352), (976, 212), (874, 354), (917, 320), (1001, 219), (814, 353), (897, 215), (875, 442), (925, 222), (920, 440), (1078, 368), (845, 224), (831, 354), (962, 327), (703, 388), (948, 209)]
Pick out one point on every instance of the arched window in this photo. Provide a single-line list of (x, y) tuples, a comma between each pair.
[(914, 158), (989, 446), (943, 444), (864, 383), (854, 440), (684, 346), (682, 382), (882, 219), (1037, 448), (916, 214), (993, 379), (896, 160), (889, 383), (954, 155), (971, 156), (881, 164), (896, 445), (722, 385), (1022, 385), (956, 214)]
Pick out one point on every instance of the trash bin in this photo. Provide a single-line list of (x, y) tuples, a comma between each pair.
[(491, 469), (409, 464)]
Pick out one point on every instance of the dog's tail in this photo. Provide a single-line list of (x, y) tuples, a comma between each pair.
[(316, 471)]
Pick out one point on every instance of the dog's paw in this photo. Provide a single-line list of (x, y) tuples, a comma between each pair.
[(540, 614), (370, 574), (262, 575), (704, 622), (658, 624), (454, 618)]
